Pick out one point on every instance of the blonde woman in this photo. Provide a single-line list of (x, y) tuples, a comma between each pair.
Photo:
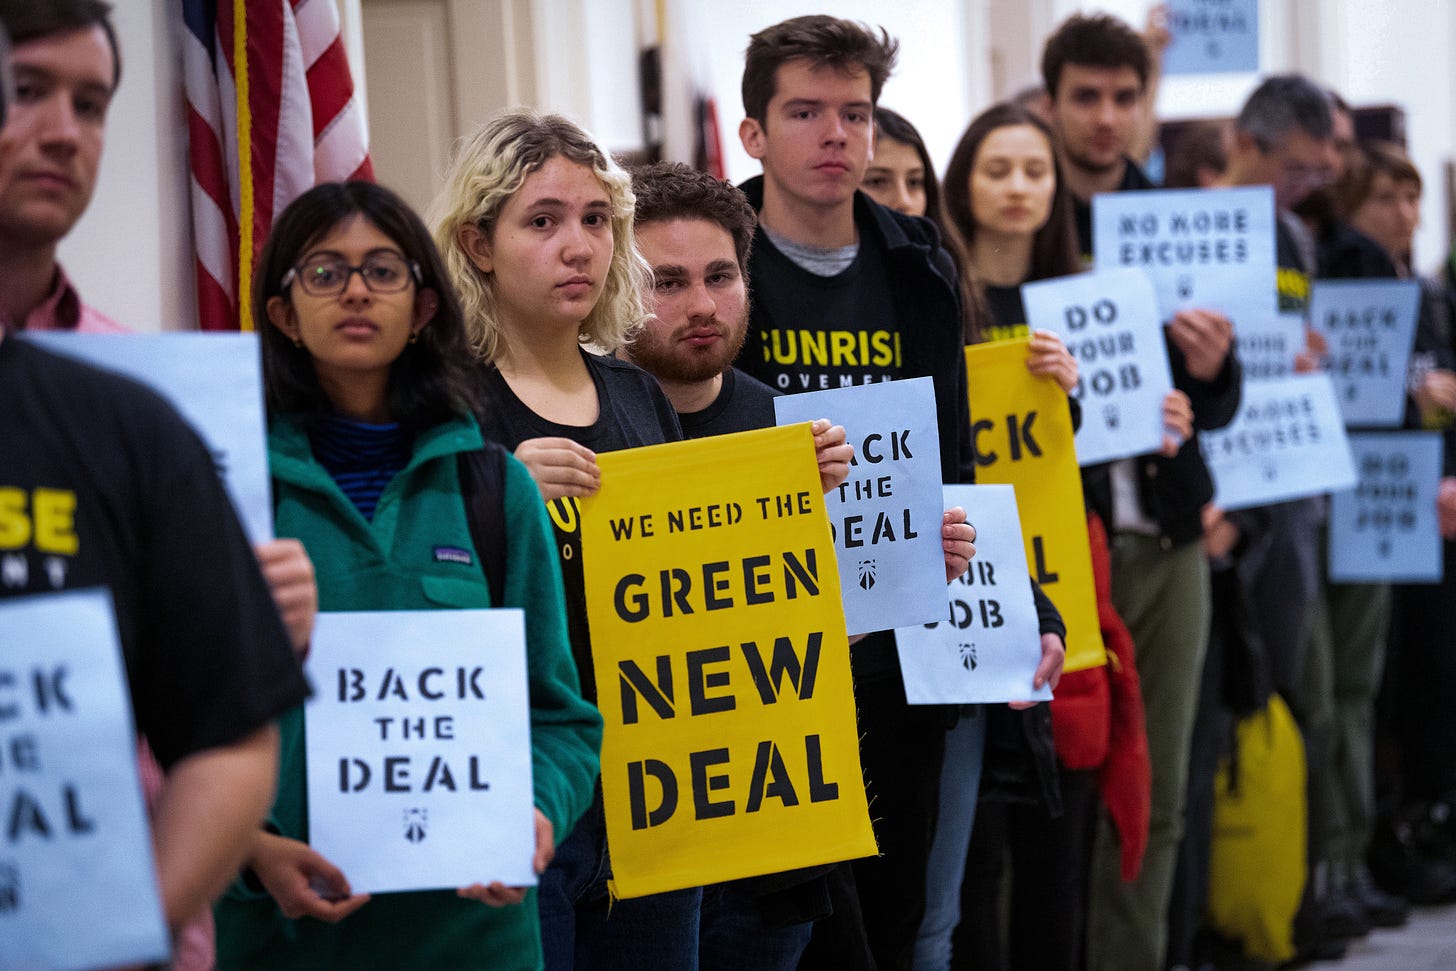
[(535, 224)]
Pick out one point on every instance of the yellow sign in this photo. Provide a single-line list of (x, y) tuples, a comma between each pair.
[(1021, 433), (722, 665)]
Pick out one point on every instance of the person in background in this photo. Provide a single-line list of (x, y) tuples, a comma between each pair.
[(372, 449), (1411, 850), (1010, 213), (1198, 157), (1096, 71), (67, 66), (695, 232), (1379, 195), (1351, 621), (826, 260), (535, 225), (901, 175)]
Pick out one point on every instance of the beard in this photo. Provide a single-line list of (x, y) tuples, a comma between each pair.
[(669, 359), (1092, 165)]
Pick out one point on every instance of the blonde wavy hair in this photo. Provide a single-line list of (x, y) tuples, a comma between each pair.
[(487, 170)]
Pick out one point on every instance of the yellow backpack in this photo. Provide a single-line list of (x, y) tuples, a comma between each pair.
[(1257, 864)]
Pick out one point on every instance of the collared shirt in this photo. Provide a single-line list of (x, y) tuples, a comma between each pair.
[(62, 309)]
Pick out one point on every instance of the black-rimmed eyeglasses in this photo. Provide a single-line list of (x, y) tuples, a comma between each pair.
[(381, 273)]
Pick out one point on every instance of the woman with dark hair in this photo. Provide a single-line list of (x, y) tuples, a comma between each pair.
[(377, 461), (1008, 208), (901, 175), (1011, 216)]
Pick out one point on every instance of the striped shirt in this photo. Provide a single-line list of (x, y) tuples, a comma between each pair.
[(361, 457)]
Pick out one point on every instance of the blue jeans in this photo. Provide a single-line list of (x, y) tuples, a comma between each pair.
[(960, 784), (582, 929), (735, 935)]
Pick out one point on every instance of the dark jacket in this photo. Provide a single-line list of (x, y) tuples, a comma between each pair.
[(926, 296)]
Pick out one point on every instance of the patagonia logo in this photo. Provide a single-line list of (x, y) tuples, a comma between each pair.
[(453, 554)]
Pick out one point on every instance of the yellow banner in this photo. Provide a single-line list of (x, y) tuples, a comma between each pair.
[(722, 665), (1021, 429)]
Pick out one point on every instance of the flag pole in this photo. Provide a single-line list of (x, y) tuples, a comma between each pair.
[(245, 166)]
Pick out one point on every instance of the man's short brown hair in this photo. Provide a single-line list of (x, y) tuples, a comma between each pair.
[(823, 41), (672, 190), (27, 20), (1100, 40)]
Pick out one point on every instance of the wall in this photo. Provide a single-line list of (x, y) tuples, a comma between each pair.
[(131, 254), (943, 73)]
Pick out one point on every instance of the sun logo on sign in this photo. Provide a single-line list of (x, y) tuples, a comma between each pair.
[(968, 657), (867, 574), (415, 821)]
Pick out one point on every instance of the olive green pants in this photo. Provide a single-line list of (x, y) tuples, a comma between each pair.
[(1163, 597)]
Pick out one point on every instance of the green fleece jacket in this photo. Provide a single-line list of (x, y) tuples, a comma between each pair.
[(388, 564)]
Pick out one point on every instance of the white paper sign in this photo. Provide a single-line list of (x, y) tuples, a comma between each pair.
[(1203, 248), (1287, 441), (988, 649), (1109, 321), (886, 516), (1212, 37), (216, 382), (1385, 529), (1267, 348), (1370, 327), (77, 884), (419, 749)]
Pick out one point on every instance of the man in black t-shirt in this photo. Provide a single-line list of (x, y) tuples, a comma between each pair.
[(847, 292), (131, 502), (694, 231)]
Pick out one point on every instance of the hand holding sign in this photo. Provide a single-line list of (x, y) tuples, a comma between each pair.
[(497, 894), (1049, 358), (1177, 422), (301, 881), (1446, 507), (289, 572), (560, 467), (959, 542), (833, 454), (1204, 337), (1048, 673)]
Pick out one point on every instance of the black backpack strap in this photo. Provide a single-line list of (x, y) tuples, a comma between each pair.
[(483, 490)]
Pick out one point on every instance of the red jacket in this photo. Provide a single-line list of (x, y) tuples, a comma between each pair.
[(1097, 718)]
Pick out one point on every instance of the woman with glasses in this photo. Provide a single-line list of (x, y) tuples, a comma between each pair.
[(377, 465)]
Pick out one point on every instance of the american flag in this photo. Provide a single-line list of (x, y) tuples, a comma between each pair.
[(261, 129)]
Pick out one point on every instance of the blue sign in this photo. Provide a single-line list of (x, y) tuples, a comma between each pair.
[(1385, 529), (1266, 348), (1286, 442), (1212, 37), (77, 884), (1109, 321), (987, 648), (1370, 327), (1209, 249), (215, 381), (418, 746), (886, 517)]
